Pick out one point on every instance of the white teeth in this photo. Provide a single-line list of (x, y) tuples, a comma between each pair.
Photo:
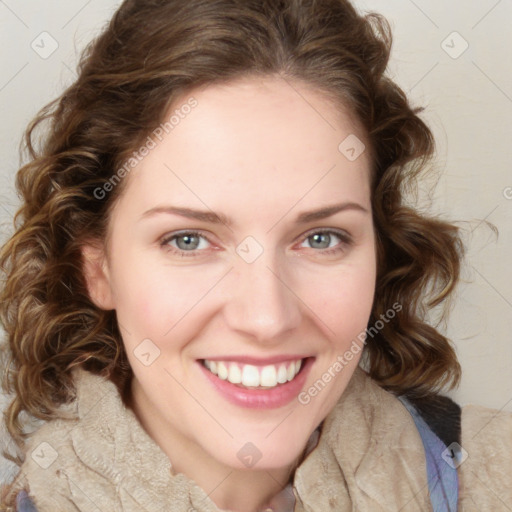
[(291, 372), (268, 376), (282, 374), (252, 376), (235, 374), (222, 370)]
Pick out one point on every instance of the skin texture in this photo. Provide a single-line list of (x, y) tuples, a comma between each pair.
[(260, 151)]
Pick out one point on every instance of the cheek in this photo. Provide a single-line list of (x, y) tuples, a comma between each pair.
[(343, 301), (151, 299)]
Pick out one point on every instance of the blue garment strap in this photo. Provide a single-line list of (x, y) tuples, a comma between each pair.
[(24, 503), (443, 482)]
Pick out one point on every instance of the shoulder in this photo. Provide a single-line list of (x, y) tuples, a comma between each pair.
[(48, 449), (44, 449), (485, 472), (102, 446)]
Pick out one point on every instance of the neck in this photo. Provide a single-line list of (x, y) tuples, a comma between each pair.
[(231, 489), (237, 490)]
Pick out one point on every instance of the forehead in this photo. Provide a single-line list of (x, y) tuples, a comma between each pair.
[(254, 143)]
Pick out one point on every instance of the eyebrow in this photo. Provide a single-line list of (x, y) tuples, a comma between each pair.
[(219, 218)]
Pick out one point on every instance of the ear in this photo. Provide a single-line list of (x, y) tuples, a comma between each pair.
[(97, 277)]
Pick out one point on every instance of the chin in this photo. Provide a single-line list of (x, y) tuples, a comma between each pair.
[(263, 453)]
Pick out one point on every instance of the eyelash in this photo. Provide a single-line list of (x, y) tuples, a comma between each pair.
[(346, 241)]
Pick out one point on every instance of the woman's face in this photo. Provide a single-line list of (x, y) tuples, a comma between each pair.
[(243, 242)]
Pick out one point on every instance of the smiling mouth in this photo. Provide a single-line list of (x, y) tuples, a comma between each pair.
[(249, 376)]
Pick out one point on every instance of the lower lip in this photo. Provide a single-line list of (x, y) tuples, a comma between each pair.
[(272, 398)]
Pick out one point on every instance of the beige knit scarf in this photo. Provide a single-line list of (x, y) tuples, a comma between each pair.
[(369, 457)]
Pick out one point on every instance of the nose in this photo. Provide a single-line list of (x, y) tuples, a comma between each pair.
[(261, 303)]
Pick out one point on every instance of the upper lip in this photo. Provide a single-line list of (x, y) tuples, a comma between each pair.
[(258, 361)]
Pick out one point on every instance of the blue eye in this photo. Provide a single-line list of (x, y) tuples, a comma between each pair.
[(186, 242), (322, 240), (192, 243)]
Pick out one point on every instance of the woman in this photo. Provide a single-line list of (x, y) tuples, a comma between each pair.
[(213, 237)]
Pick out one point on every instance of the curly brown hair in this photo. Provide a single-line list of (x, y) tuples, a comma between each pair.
[(152, 52)]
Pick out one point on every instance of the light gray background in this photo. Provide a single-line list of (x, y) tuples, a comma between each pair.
[(468, 97)]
